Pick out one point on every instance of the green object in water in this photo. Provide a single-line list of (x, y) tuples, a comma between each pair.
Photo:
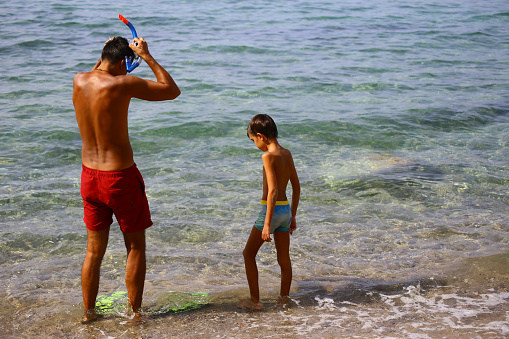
[(114, 303), (171, 302)]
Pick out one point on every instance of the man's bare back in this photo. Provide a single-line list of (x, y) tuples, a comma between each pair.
[(101, 100)]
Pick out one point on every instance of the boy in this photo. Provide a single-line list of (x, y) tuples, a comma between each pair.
[(276, 217)]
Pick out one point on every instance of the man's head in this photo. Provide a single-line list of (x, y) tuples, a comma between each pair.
[(263, 124), (116, 49)]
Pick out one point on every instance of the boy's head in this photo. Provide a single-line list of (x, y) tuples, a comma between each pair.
[(116, 49), (263, 124)]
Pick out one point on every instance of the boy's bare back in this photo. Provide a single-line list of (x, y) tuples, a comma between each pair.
[(281, 161)]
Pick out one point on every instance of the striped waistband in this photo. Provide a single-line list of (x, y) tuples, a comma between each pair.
[(264, 202)]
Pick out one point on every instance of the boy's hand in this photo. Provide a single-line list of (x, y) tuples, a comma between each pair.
[(293, 225), (266, 234)]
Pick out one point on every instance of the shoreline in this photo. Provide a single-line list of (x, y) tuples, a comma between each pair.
[(471, 299)]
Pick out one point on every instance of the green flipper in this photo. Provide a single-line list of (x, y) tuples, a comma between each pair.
[(171, 302), (175, 302), (114, 303)]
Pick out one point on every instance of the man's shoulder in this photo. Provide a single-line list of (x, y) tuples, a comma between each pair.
[(81, 76), (78, 80), (117, 80), (78, 75)]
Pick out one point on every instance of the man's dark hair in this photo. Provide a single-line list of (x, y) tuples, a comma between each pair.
[(263, 124), (116, 49)]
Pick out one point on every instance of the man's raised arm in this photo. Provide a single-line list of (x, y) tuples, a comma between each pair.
[(164, 89)]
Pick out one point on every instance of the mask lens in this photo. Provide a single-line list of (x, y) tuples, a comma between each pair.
[(131, 63)]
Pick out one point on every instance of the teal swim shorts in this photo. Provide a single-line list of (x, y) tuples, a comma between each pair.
[(281, 219)]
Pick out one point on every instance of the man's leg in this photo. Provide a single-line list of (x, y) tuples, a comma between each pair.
[(97, 242), (253, 244), (136, 268)]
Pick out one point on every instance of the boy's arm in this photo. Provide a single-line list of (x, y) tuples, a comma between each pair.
[(294, 180), (164, 89), (271, 181)]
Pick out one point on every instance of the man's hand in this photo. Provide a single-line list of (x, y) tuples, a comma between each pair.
[(141, 49)]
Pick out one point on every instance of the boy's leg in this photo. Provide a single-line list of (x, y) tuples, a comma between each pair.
[(253, 244), (282, 242), (97, 242), (136, 268)]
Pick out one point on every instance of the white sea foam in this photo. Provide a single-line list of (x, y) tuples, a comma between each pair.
[(411, 312)]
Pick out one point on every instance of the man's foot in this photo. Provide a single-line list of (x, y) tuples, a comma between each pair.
[(283, 302), (136, 319), (249, 304), (90, 316)]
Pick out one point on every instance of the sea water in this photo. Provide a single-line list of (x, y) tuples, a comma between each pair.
[(396, 113)]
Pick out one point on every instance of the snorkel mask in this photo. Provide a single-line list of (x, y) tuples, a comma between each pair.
[(130, 62)]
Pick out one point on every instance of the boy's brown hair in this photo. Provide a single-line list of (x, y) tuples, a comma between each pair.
[(263, 124)]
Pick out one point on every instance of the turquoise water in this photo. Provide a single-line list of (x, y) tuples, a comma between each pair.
[(396, 113)]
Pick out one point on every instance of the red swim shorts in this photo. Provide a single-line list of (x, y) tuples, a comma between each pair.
[(115, 192)]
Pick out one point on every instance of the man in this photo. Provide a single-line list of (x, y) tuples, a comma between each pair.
[(110, 181)]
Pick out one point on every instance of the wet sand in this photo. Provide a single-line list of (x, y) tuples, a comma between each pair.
[(468, 300)]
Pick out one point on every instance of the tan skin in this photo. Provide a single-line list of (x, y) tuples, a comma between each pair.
[(278, 170), (101, 100)]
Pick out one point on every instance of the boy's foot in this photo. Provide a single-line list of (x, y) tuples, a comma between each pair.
[(283, 302), (90, 316), (249, 304)]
